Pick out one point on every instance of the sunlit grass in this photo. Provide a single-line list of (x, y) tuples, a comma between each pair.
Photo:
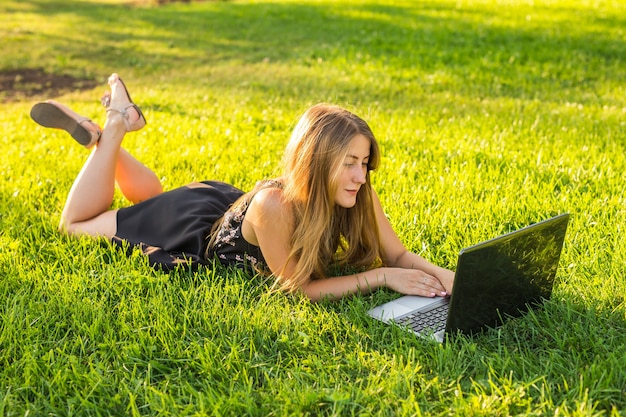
[(490, 114)]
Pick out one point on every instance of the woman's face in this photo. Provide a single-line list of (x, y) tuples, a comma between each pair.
[(353, 171)]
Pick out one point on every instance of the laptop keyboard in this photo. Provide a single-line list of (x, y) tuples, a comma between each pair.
[(434, 320)]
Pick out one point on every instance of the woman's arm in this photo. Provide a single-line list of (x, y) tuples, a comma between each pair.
[(396, 255), (268, 224), (403, 280)]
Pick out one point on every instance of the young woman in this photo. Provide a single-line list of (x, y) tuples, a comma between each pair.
[(322, 214)]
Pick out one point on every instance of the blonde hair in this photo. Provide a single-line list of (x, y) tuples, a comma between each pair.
[(323, 231)]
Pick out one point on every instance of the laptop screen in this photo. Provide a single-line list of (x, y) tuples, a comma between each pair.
[(504, 276)]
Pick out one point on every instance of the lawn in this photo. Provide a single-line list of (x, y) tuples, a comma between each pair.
[(491, 115)]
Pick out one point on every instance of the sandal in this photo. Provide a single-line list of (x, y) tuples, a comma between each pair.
[(130, 126), (57, 116)]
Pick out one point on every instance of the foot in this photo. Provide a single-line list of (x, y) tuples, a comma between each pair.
[(118, 101), (55, 115)]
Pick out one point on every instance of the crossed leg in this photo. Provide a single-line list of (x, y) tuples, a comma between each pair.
[(87, 208)]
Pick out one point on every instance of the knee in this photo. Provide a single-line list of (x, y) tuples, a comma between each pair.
[(103, 225), (65, 227)]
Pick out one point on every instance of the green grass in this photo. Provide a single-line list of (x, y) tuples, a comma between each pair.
[(490, 114)]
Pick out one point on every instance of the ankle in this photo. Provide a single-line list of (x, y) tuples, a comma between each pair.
[(114, 121)]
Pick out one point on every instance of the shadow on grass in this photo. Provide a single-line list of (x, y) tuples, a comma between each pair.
[(428, 48)]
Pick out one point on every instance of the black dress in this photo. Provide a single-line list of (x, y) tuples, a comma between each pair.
[(172, 228)]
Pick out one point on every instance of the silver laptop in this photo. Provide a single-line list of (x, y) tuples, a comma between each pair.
[(494, 280)]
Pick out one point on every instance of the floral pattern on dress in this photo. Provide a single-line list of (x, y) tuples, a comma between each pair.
[(231, 227), (230, 235), (230, 246)]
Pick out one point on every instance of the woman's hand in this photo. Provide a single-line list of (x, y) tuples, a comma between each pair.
[(409, 273), (446, 277), (413, 282)]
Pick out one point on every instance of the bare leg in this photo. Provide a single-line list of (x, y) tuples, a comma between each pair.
[(87, 209), (136, 181)]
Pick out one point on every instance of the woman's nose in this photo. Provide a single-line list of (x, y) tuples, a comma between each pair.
[(359, 176)]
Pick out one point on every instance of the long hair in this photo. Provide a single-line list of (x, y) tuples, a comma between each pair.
[(325, 233)]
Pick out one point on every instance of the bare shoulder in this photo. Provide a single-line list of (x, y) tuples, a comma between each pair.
[(268, 201), (268, 216)]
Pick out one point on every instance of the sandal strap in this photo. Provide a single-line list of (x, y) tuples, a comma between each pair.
[(86, 119), (122, 111)]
